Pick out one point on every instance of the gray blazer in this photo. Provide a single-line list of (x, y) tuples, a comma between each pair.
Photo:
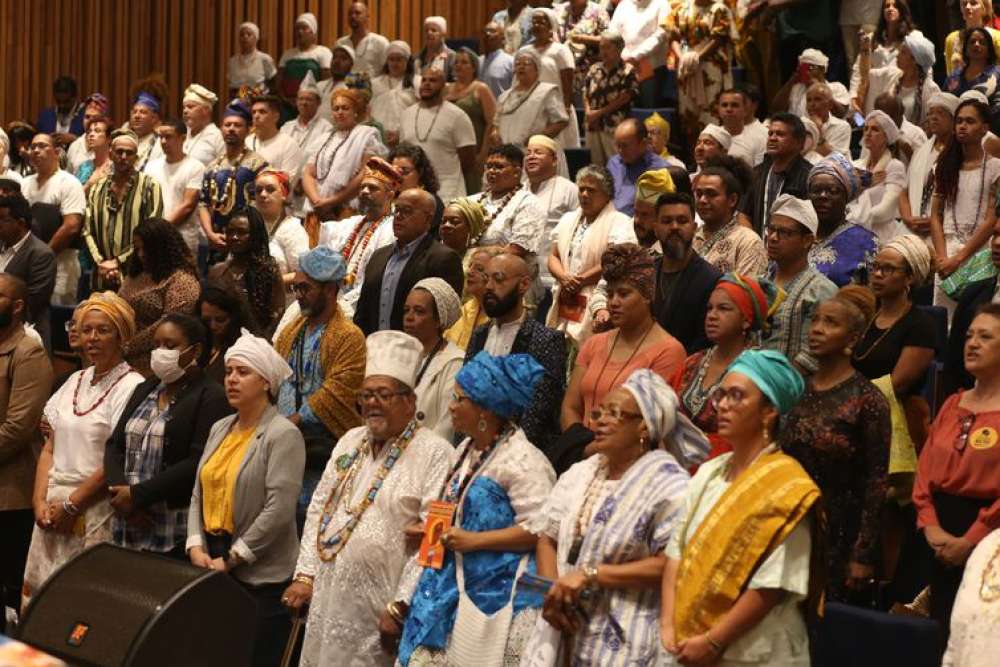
[(267, 490)]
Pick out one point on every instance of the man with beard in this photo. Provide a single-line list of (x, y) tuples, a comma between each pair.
[(24, 389), (648, 189), (355, 571), (203, 141), (722, 240), (143, 120), (445, 133), (25, 256), (392, 271), (326, 353), (229, 180), (510, 331), (783, 171), (790, 234), (368, 46), (684, 280)]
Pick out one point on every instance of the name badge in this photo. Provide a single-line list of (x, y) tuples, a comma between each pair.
[(983, 438)]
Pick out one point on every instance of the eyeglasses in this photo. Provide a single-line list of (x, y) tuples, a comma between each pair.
[(381, 395), (963, 435), (782, 233), (734, 394), (886, 269), (458, 398), (613, 412)]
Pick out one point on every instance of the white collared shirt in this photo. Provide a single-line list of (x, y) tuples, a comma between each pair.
[(8, 253)]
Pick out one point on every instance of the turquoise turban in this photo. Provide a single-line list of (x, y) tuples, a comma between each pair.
[(773, 374)]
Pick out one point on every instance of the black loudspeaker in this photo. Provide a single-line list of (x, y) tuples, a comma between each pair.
[(111, 606)]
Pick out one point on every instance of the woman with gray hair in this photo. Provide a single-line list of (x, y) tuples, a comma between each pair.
[(529, 107), (432, 307), (610, 87), (476, 99), (580, 239)]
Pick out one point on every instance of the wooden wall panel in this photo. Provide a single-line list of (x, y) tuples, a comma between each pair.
[(108, 44)]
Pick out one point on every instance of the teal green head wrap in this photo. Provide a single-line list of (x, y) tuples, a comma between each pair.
[(773, 374)]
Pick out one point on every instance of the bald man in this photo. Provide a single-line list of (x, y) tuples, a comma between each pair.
[(511, 331), (369, 47), (393, 270)]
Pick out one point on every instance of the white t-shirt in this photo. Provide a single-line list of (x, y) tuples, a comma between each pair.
[(175, 179), (253, 70), (440, 132), (77, 154), (369, 54), (61, 189), (206, 145), (317, 52), (280, 151), (749, 146)]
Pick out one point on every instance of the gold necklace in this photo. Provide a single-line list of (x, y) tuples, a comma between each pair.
[(860, 357)]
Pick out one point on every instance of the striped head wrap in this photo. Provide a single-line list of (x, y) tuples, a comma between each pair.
[(853, 179), (757, 299)]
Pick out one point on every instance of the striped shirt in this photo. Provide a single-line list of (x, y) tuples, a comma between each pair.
[(790, 323), (107, 230)]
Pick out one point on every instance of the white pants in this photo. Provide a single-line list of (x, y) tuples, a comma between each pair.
[(67, 278)]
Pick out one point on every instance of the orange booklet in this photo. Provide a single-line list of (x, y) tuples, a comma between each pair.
[(439, 520)]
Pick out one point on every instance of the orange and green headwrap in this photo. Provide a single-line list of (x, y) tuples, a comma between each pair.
[(757, 299)]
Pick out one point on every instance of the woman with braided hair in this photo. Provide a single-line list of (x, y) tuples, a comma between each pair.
[(249, 269), (910, 78)]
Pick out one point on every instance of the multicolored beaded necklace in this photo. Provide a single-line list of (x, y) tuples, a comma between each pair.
[(490, 217), (455, 486), (222, 199), (348, 251), (348, 468)]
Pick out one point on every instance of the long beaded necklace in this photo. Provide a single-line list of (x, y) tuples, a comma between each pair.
[(416, 123), (112, 201), (454, 486), (587, 509), (354, 259), (348, 469), (490, 217), (989, 585), (877, 341), (504, 111), (221, 197), (321, 177), (76, 393)]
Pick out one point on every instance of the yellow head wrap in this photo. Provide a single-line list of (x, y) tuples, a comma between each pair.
[(475, 216), (116, 308), (658, 122), (652, 184)]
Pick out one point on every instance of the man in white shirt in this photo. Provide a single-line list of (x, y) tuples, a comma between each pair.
[(180, 179), (444, 132), (835, 133), (278, 149), (309, 130), (95, 107), (204, 139), (369, 47), (555, 194), (639, 23), (746, 144), (812, 69), (51, 186)]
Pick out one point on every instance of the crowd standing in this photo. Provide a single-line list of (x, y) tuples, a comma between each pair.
[(497, 355)]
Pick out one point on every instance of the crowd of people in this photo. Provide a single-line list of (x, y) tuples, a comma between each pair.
[(379, 347)]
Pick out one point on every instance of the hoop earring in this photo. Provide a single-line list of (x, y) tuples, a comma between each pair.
[(482, 425)]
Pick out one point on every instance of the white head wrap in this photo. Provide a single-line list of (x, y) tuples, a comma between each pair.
[(399, 46), (974, 94), (258, 354), (916, 253), (921, 48), (310, 20), (667, 425), (529, 52), (945, 101), (439, 21), (251, 26), (814, 57), (812, 130), (550, 14), (201, 95), (720, 134), (799, 210), (308, 84), (545, 141), (395, 354), (886, 124), (349, 50), (446, 300)]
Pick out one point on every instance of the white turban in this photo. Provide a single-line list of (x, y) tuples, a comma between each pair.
[(916, 253), (799, 210), (400, 47), (439, 21), (921, 48), (973, 94), (814, 57), (544, 141), (395, 354), (251, 26), (446, 300), (529, 52), (310, 20), (667, 425), (945, 101), (201, 95), (720, 134), (886, 124), (349, 50), (259, 355), (550, 14)]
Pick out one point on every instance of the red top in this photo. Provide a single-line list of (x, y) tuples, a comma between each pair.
[(973, 472)]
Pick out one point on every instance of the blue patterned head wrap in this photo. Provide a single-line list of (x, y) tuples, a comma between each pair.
[(503, 385), (667, 425), (773, 374), (238, 108), (323, 264), (147, 100), (853, 179)]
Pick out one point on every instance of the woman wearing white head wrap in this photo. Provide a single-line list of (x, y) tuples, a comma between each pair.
[(530, 106), (307, 55), (431, 307), (877, 208), (614, 512), (556, 66), (435, 53), (910, 77), (813, 137), (250, 67), (393, 90), (251, 534), (915, 200)]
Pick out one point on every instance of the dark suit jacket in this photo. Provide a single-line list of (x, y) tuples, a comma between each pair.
[(190, 419), (796, 183), (430, 259), (35, 264), (683, 314), (975, 295), (47, 121), (540, 422)]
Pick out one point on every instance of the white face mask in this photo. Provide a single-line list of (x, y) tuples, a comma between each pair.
[(165, 363)]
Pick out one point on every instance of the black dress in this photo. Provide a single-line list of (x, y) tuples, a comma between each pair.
[(878, 351)]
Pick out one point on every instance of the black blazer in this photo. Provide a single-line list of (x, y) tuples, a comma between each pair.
[(198, 406), (796, 183), (540, 421), (430, 259), (35, 264), (973, 296), (683, 314)]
